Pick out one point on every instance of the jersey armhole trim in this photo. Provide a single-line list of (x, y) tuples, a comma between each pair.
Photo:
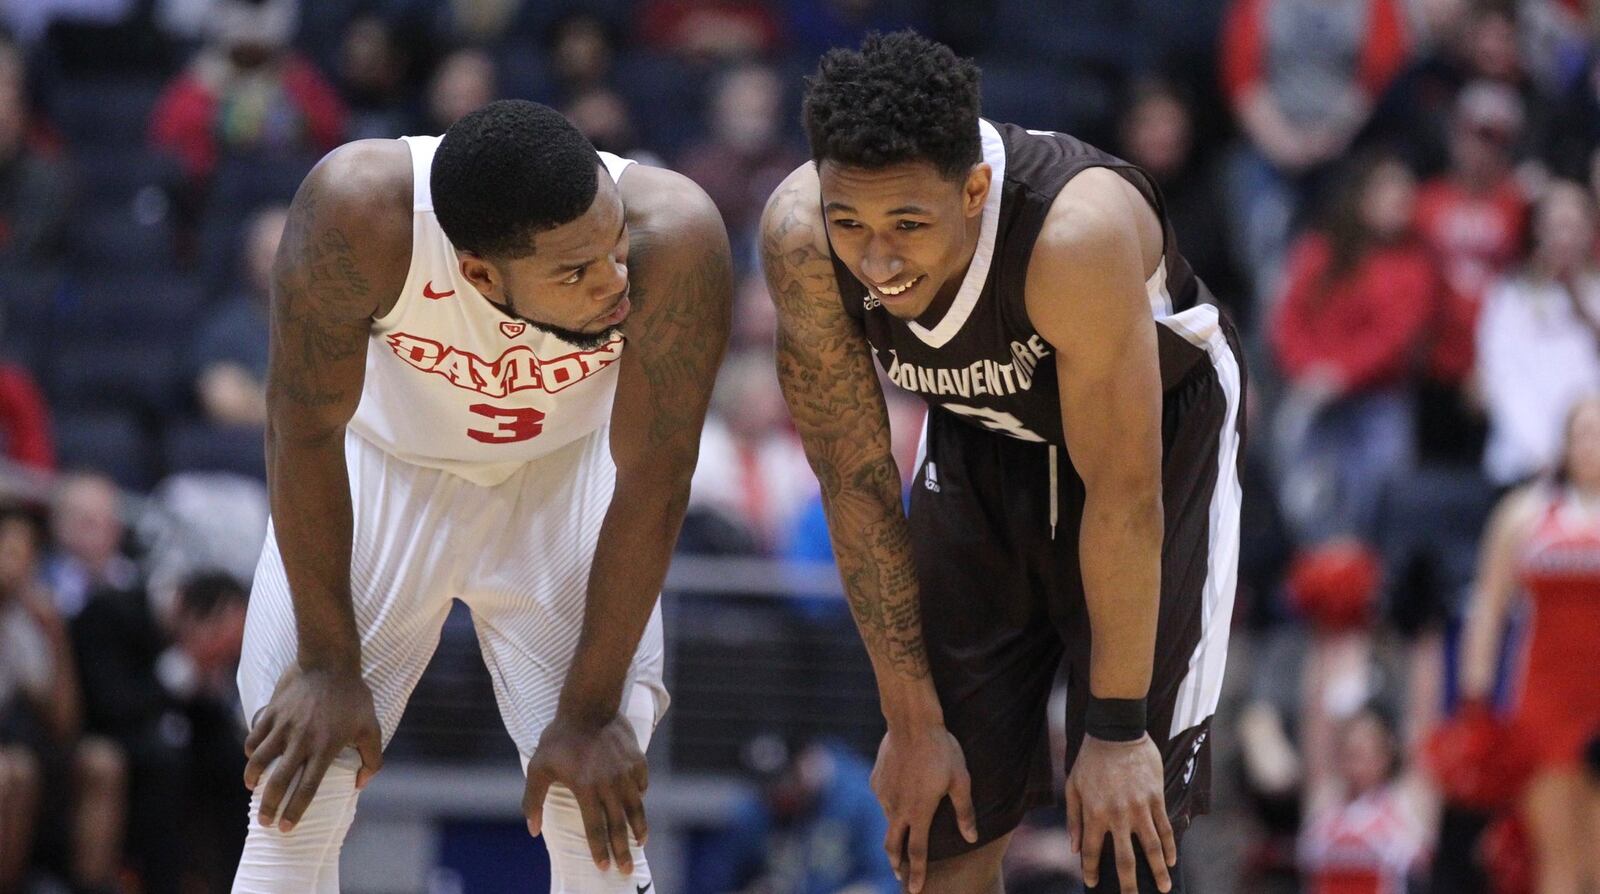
[(422, 149)]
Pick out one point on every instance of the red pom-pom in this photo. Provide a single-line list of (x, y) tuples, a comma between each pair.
[(1335, 585), (1479, 761)]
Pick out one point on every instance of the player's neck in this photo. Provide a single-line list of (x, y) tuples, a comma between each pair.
[(952, 286)]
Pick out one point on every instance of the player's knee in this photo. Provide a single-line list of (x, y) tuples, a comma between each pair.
[(329, 813), (977, 871), (304, 860), (572, 867)]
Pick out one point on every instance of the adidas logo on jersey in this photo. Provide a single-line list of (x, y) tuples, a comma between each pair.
[(870, 301), (930, 476)]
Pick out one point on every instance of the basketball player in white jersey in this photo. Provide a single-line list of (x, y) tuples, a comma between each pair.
[(492, 353)]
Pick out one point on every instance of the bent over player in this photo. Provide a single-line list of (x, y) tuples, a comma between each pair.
[(1076, 499), (491, 356)]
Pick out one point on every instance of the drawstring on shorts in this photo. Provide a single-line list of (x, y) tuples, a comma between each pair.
[(1054, 499)]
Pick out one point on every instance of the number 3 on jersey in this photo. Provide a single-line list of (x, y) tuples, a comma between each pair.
[(515, 424)]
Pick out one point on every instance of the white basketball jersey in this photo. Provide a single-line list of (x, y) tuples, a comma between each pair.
[(452, 383)]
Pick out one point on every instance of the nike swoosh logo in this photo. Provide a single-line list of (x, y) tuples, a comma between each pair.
[(430, 294), (643, 888)]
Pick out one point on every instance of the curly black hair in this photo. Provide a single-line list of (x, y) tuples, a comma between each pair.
[(508, 171), (900, 98)]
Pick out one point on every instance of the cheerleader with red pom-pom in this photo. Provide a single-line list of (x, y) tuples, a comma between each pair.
[(1542, 553)]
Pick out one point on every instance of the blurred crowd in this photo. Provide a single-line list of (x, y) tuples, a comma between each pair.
[(1395, 198)]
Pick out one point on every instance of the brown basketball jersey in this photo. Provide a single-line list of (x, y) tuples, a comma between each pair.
[(980, 358)]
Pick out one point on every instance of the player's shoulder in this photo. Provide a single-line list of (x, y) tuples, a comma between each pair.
[(373, 175), (792, 220), (365, 185), (1095, 205), (665, 202), (356, 202)]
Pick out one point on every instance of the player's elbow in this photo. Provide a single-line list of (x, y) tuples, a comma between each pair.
[(1133, 495), (661, 485), (291, 423)]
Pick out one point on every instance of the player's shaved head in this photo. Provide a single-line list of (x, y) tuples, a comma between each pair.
[(507, 172), (900, 98)]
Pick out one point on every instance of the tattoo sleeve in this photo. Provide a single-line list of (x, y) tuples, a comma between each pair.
[(322, 300), (682, 304), (318, 345), (681, 286), (825, 369)]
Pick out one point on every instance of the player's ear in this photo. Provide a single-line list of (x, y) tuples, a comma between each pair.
[(479, 271), (976, 189)]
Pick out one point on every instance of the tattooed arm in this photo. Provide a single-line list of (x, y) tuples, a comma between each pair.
[(825, 369), (681, 287), (343, 259)]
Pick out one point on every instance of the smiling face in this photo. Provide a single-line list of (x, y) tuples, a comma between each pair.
[(575, 283), (905, 231)]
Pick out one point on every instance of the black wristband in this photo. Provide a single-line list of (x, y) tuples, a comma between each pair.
[(1115, 719)]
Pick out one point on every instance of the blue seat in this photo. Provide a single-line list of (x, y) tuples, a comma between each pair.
[(241, 183), (1073, 101), (667, 98), (523, 73), (120, 239), (241, 186), (153, 306), (117, 176), (110, 112), (27, 308), (1101, 34), (127, 373), (196, 446), (107, 440)]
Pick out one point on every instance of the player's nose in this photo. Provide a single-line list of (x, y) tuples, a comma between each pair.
[(609, 286), (880, 264)]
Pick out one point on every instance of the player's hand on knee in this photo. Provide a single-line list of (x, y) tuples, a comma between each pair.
[(917, 768), (1116, 790), (313, 715), (606, 772)]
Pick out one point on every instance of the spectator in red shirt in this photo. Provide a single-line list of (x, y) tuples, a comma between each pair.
[(709, 30), (24, 420), (1301, 76), (1360, 295), (246, 91), (1473, 217)]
